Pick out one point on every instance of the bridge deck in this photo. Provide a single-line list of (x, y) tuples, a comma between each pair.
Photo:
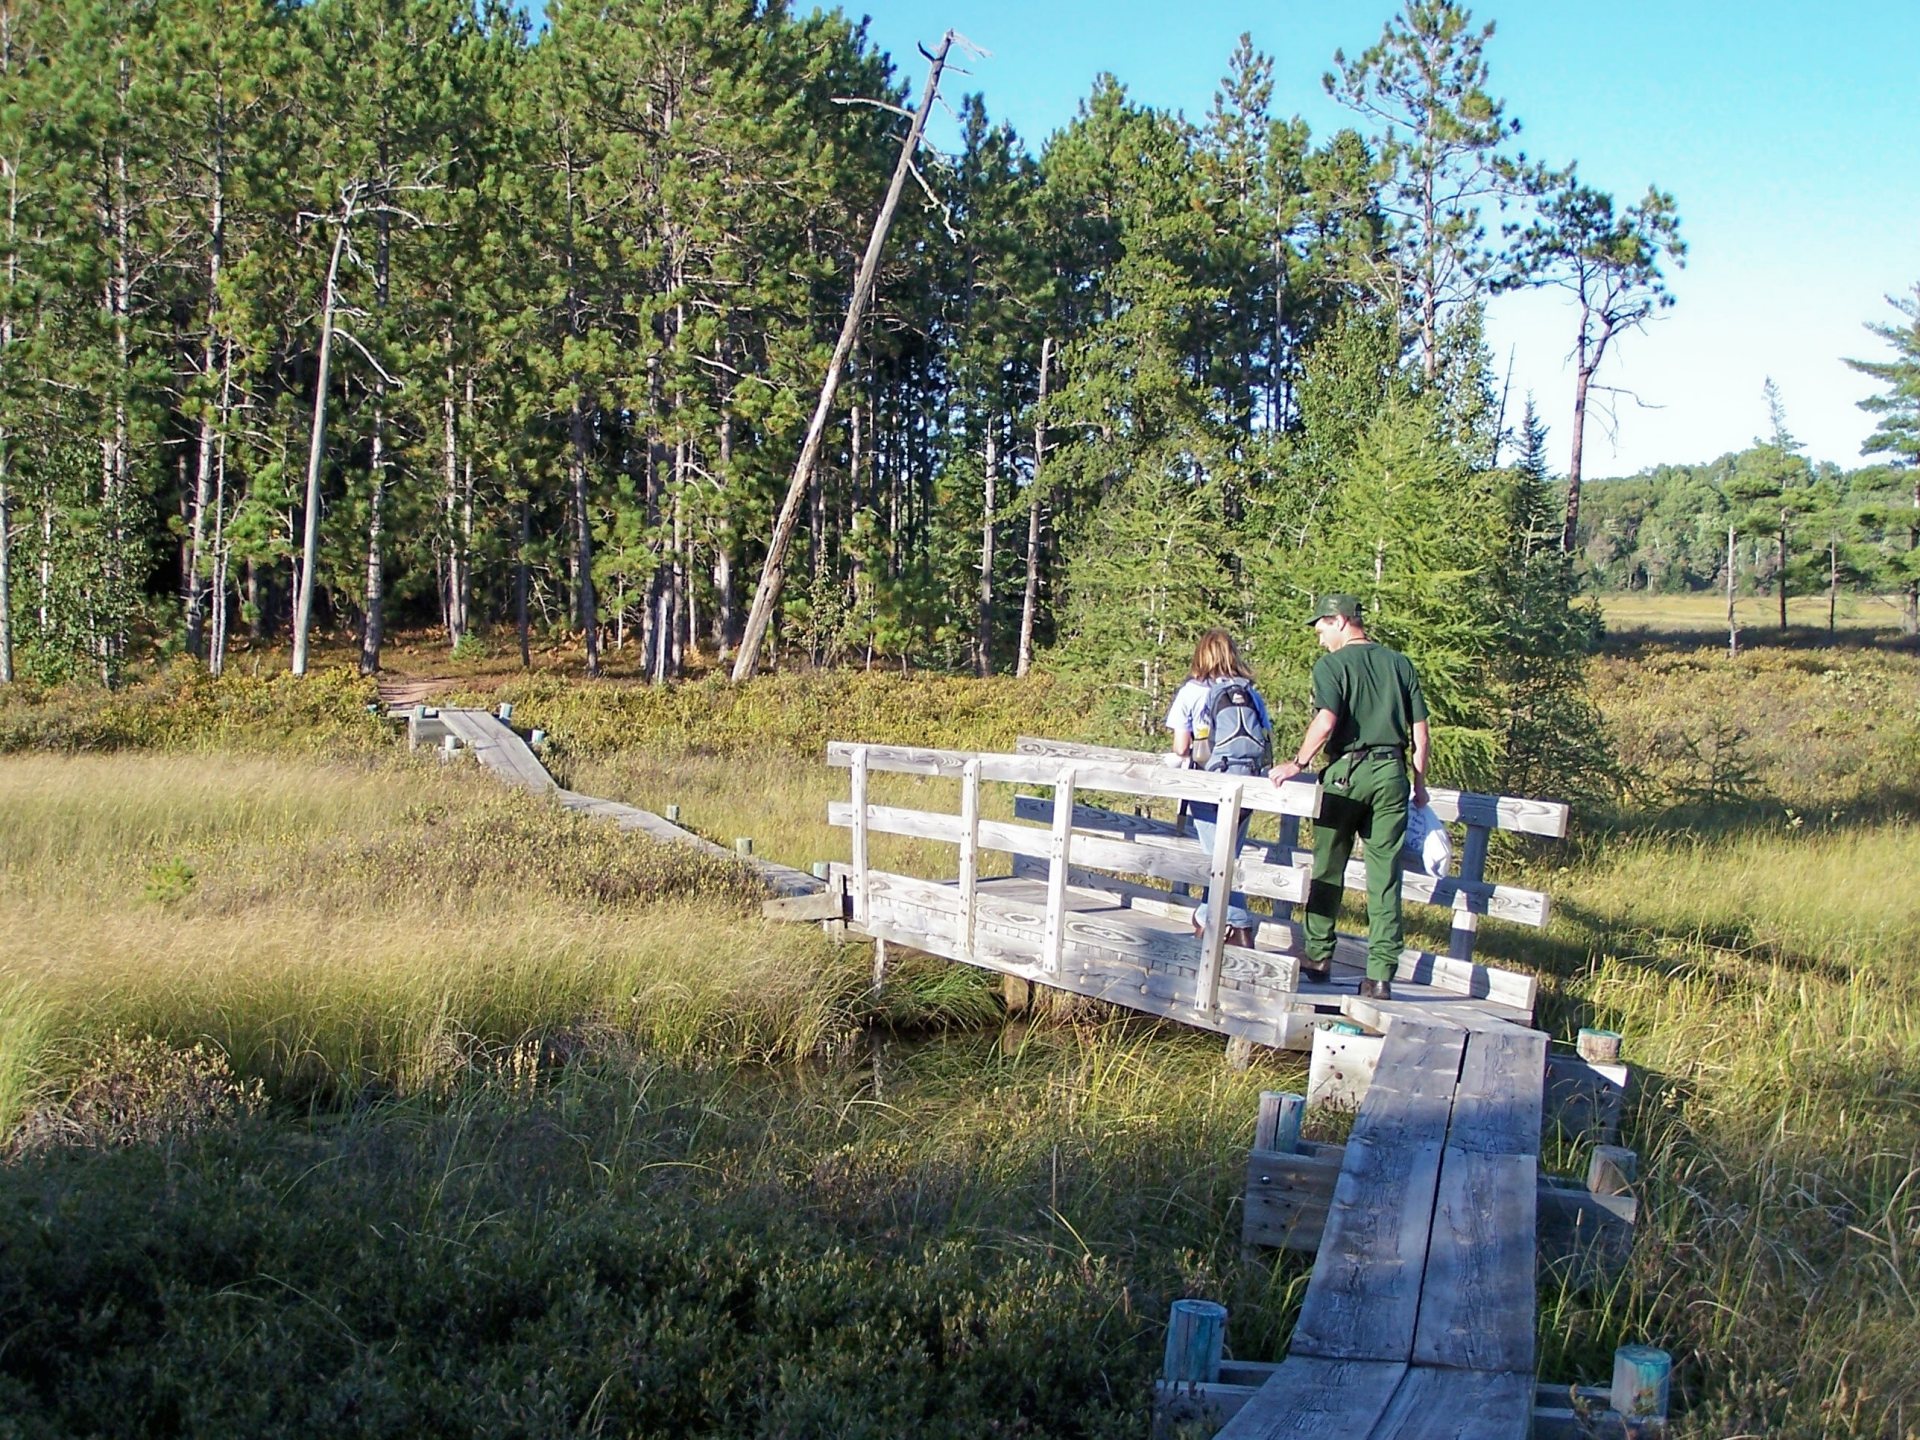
[(1419, 1318)]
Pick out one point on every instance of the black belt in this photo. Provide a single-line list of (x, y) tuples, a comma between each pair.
[(1372, 752)]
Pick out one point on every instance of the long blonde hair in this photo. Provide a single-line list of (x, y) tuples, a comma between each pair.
[(1216, 657)]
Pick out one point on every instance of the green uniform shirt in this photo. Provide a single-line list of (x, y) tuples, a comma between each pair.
[(1373, 693)]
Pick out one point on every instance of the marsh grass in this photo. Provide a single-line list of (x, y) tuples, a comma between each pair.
[(376, 924), (528, 1104)]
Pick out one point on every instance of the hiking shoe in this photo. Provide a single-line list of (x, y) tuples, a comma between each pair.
[(1240, 935), (1376, 989), (1320, 975)]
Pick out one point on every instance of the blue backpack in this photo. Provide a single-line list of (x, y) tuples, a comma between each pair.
[(1239, 736)]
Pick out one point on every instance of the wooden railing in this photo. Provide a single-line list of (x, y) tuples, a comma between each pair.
[(1060, 845), (1467, 892)]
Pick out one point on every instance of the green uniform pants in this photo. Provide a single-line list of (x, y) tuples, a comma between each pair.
[(1365, 798)]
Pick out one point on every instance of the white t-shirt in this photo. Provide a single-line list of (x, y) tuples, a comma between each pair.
[(1187, 703)]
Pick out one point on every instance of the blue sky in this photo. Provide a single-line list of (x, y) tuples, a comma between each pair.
[(1786, 132)]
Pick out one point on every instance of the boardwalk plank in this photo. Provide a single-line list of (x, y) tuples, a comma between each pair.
[(1477, 1305), (1309, 1397), (1437, 1404), (1363, 1300)]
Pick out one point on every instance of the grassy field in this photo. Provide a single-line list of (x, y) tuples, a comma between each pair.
[(1856, 618), (463, 1115)]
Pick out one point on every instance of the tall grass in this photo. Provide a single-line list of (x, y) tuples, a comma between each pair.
[(333, 926)]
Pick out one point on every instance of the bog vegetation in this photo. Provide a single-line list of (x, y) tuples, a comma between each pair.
[(340, 1092), (347, 1092)]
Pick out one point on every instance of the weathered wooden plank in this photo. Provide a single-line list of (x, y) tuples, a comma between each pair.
[(1363, 1299), (1093, 921), (1504, 812), (1581, 1236), (1496, 1107), (1058, 851), (1183, 863), (1288, 1195), (1477, 1306), (826, 905), (1469, 896), (969, 845), (1310, 1398), (1219, 888), (1441, 1404), (1151, 992), (1585, 1100), (862, 820), (1148, 776)]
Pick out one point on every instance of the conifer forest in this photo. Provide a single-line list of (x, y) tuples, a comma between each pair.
[(519, 330)]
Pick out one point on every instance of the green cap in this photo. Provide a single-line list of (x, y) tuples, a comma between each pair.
[(1347, 606)]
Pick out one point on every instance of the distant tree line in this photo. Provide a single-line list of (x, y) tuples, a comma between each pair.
[(1785, 525), (524, 330)]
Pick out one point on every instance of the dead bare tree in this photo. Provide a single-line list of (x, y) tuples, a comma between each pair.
[(773, 572)]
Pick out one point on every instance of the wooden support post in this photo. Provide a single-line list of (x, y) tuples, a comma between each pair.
[(449, 746), (969, 852), (879, 964), (1473, 867), (1640, 1376), (1278, 1128), (1196, 1338), (1282, 854), (1598, 1047), (1226, 845), (1239, 1052), (673, 813), (1612, 1170), (505, 712), (860, 895), (743, 845), (1057, 866), (822, 869), (537, 739)]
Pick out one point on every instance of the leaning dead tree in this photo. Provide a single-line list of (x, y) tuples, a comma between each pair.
[(773, 573)]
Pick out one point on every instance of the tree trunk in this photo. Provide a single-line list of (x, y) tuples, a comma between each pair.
[(453, 599), (1583, 378), (583, 536), (1783, 572), (773, 573), (1833, 581), (1030, 601), (197, 525), (520, 583), (1733, 630), (316, 453), (983, 638), (6, 570), (375, 627)]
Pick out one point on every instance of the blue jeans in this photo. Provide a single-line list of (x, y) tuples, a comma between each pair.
[(1203, 814)]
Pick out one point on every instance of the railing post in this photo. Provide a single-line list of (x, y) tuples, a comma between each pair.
[(1226, 847), (1282, 854), (860, 834), (969, 850), (1059, 855), (1473, 868)]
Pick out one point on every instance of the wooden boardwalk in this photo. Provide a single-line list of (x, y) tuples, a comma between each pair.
[(1419, 1317), (496, 745)]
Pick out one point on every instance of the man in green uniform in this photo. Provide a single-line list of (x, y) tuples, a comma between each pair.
[(1371, 719)]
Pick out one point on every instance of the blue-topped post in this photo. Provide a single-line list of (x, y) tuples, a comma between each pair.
[(1196, 1339), (1640, 1377)]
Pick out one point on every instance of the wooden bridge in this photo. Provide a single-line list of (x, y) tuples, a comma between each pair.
[(1419, 1318)]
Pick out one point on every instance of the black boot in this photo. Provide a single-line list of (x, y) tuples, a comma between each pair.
[(1321, 975), (1376, 989)]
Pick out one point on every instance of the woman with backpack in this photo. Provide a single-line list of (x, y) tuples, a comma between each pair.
[(1220, 724)]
